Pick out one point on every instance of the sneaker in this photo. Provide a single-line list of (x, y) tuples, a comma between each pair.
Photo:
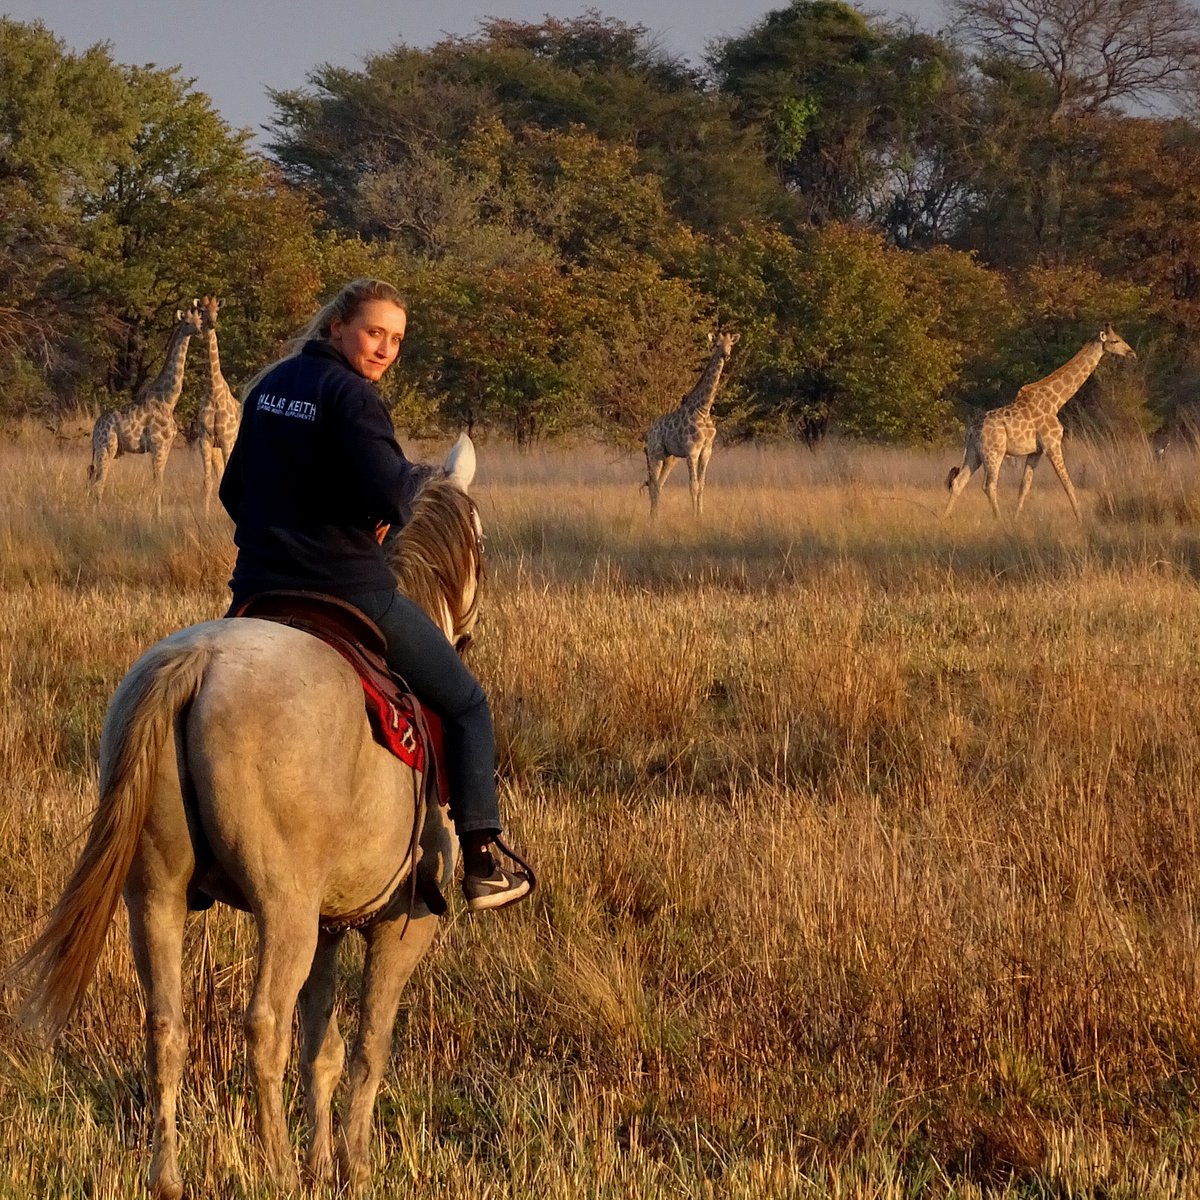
[(496, 890)]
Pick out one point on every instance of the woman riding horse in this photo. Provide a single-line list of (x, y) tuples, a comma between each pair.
[(237, 760), (314, 479)]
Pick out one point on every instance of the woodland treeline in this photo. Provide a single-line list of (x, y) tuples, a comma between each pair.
[(903, 226)]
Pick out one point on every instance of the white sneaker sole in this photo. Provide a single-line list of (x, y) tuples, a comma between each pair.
[(498, 899)]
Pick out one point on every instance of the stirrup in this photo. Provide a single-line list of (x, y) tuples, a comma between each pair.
[(508, 853)]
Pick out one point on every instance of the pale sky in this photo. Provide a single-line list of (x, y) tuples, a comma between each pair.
[(236, 49)]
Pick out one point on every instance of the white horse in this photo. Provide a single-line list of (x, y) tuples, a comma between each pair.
[(237, 760)]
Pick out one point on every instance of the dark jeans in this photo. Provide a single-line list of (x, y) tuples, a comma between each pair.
[(419, 653)]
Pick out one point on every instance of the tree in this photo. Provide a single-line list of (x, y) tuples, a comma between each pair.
[(146, 236), (122, 195), (842, 331), (409, 112), (804, 76), (1051, 74), (1093, 53), (1138, 218), (63, 119), (860, 118), (925, 167)]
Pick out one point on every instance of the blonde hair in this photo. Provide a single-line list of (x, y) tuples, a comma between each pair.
[(344, 306)]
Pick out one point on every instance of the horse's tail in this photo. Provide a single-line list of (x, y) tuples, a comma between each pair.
[(140, 719)]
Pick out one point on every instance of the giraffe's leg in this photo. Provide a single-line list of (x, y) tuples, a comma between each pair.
[(961, 477), (219, 459), (652, 479), (991, 477), (1054, 454), (1031, 462), (208, 455), (158, 458), (322, 1055), (659, 477), (694, 484), (705, 454)]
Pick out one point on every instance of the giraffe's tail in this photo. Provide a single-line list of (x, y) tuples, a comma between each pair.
[(968, 449)]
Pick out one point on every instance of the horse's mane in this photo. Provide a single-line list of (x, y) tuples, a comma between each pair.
[(438, 554)]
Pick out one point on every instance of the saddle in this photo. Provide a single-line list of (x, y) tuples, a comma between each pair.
[(399, 722)]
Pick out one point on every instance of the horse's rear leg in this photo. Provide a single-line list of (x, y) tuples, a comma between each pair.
[(322, 1055), (287, 940), (156, 920), (391, 958)]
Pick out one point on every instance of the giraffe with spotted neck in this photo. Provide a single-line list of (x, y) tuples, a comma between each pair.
[(147, 426), (689, 431), (219, 415), (1030, 426)]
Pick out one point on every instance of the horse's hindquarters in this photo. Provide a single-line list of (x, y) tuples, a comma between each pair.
[(292, 795)]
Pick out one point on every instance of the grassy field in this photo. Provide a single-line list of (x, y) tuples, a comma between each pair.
[(870, 844)]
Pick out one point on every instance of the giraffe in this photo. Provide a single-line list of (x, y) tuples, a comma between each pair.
[(147, 426), (1030, 425), (688, 431), (217, 420)]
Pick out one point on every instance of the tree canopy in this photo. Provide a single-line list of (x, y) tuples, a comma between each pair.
[(901, 224)]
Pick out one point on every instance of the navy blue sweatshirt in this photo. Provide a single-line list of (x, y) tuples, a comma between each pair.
[(315, 466)]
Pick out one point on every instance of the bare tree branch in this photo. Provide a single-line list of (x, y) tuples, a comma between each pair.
[(1094, 52)]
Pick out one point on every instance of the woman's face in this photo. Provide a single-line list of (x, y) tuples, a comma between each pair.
[(371, 339)]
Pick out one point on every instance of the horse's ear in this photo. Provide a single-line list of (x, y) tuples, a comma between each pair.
[(460, 462)]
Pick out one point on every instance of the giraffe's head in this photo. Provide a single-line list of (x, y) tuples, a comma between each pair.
[(187, 320), (1113, 343), (723, 342), (209, 306)]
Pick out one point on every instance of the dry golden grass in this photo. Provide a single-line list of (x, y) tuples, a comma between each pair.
[(870, 844)]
